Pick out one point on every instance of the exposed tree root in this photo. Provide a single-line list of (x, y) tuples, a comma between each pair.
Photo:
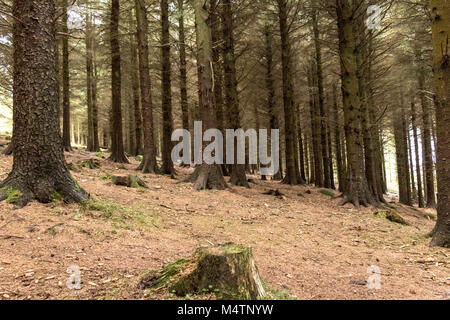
[(45, 189)]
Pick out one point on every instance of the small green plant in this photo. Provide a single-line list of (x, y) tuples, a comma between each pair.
[(107, 176), (100, 155), (138, 158)]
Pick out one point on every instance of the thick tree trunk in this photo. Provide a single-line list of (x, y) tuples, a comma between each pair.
[(205, 176), (39, 169), (117, 150), (440, 12), (166, 82), (148, 164), (238, 177), (66, 80), (357, 189)]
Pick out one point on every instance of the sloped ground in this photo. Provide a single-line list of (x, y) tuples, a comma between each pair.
[(304, 244)]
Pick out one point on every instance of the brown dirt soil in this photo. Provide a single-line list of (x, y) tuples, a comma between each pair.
[(304, 244)]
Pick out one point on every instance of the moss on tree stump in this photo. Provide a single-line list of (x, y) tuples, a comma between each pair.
[(227, 270), (392, 216), (129, 181)]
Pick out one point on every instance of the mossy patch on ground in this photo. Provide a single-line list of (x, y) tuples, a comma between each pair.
[(327, 192), (122, 216)]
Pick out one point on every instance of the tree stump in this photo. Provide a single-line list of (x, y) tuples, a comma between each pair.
[(129, 181), (392, 216), (90, 164), (227, 270)]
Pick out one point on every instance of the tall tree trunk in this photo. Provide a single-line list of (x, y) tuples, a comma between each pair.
[(66, 80), (374, 143), (39, 169), (315, 127), (416, 151), (183, 66), (337, 138), (135, 117), (218, 68), (274, 123), (300, 143), (238, 177), (426, 132), (167, 164), (205, 176), (330, 151), (148, 164), (91, 88), (401, 152), (440, 12), (321, 104), (411, 166), (117, 150), (288, 95), (357, 189)]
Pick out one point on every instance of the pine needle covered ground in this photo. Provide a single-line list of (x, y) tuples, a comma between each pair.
[(304, 243)]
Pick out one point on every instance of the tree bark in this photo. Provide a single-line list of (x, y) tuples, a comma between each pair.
[(321, 104), (117, 149), (91, 88), (416, 151), (39, 168), (357, 189), (166, 82), (183, 66), (291, 177), (401, 152), (148, 164), (274, 123), (337, 145), (238, 177), (440, 12), (66, 80), (205, 176)]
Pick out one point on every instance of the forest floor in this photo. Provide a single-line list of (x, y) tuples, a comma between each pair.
[(304, 243)]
